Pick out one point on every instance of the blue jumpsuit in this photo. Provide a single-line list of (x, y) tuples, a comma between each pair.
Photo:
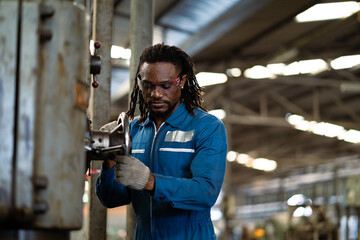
[(187, 157)]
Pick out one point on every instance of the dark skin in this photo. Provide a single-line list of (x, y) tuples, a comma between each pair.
[(162, 102)]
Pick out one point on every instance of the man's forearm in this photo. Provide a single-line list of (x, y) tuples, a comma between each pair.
[(150, 185)]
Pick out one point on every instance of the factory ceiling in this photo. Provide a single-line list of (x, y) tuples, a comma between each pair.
[(221, 35)]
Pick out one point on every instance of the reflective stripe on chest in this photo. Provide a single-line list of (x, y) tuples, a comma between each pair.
[(179, 136)]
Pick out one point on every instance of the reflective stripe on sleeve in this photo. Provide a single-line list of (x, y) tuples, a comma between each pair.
[(189, 150), (138, 151)]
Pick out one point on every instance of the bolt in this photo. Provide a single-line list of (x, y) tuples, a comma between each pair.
[(45, 35), (97, 45), (40, 207), (46, 12), (40, 182), (95, 84)]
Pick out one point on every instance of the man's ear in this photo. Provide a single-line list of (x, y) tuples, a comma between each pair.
[(183, 80)]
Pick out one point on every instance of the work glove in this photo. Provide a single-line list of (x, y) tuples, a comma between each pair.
[(109, 126), (131, 172)]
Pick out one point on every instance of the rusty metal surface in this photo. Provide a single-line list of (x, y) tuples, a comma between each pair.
[(42, 158), (28, 81), (8, 22), (60, 124)]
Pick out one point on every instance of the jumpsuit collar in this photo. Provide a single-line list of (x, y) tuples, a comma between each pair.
[(176, 118)]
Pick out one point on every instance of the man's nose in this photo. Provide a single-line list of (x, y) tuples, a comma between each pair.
[(156, 92)]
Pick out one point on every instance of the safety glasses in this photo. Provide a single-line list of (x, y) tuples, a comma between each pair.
[(147, 86)]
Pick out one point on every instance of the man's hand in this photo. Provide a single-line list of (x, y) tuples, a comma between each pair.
[(131, 172)]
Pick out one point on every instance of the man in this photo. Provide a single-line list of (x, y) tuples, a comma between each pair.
[(177, 166)]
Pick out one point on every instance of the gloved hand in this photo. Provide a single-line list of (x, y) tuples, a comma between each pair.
[(131, 172), (109, 126)]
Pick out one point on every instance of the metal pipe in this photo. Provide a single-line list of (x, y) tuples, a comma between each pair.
[(227, 178), (141, 33), (100, 108)]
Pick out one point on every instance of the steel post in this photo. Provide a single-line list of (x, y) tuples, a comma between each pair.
[(100, 108), (227, 177), (141, 35)]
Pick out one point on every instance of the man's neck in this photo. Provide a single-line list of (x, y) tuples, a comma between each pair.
[(158, 121)]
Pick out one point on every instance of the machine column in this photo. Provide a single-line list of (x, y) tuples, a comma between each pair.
[(141, 34), (100, 108)]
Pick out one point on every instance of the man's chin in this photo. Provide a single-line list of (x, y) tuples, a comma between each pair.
[(159, 112), (163, 111)]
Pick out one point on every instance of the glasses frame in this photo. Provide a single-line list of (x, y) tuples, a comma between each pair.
[(152, 86)]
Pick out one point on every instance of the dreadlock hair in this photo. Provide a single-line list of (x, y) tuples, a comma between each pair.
[(190, 94)]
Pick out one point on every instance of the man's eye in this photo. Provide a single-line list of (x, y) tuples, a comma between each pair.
[(166, 85), (147, 84)]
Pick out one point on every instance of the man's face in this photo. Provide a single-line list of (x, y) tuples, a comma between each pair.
[(160, 85)]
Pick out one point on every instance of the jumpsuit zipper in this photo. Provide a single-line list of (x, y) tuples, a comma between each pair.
[(152, 166)]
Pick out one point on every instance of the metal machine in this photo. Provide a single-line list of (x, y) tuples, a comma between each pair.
[(44, 95), (102, 145)]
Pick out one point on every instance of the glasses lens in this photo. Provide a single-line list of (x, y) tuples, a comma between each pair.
[(147, 86), (167, 85), (141, 83)]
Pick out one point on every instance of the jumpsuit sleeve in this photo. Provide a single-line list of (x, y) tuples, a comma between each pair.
[(111, 193), (207, 168)]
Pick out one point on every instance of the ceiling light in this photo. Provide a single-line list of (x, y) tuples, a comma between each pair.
[(243, 158), (303, 212), (352, 136), (324, 129), (345, 62), (276, 68), (328, 11), (216, 214), (312, 66), (303, 126), (120, 52), (294, 119), (258, 72), (246, 160), (297, 199), (231, 156), (219, 113), (233, 72), (328, 129), (264, 164), (292, 69), (209, 78)]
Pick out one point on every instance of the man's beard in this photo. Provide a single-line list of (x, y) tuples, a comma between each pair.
[(165, 114)]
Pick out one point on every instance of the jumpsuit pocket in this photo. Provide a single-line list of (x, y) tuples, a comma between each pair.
[(175, 161)]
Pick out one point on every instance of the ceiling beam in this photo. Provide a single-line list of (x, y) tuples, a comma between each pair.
[(348, 110), (288, 104), (210, 96), (257, 120), (223, 24), (239, 108), (302, 80)]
